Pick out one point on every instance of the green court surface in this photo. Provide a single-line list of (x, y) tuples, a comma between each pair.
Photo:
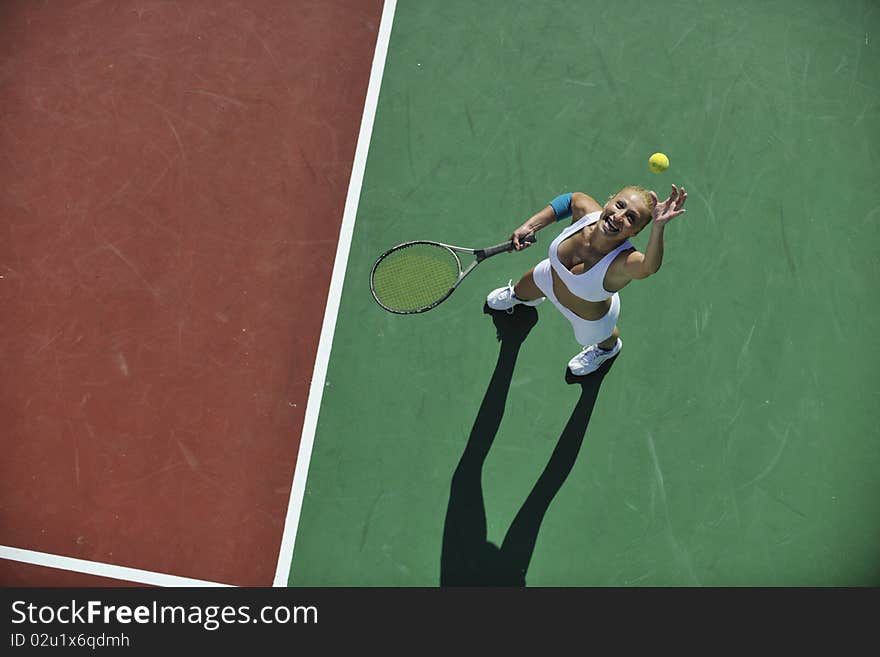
[(735, 441)]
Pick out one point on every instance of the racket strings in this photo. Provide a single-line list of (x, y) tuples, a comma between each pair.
[(415, 276)]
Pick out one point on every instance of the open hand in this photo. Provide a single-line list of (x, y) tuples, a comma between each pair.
[(670, 208)]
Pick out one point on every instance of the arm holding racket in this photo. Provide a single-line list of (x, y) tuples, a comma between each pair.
[(510, 245), (534, 223), (559, 208)]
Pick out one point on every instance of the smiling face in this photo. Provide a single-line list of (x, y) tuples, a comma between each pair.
[(625, 214)]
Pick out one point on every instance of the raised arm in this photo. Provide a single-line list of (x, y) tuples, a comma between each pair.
[(642, 265)]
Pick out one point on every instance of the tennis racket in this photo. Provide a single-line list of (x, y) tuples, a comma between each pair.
[(415, 277)]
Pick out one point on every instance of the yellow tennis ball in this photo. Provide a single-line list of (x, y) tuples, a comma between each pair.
[(658, 163)]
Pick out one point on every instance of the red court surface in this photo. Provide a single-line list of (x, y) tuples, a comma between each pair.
[(174, 181)]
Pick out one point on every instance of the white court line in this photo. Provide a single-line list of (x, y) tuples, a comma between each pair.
[(100, 569), (322, 359)]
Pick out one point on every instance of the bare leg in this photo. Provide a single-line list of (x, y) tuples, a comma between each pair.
[(526, 290), (609, 343)]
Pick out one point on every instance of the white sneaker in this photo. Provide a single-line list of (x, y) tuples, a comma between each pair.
[(504, 299), (591, 358)]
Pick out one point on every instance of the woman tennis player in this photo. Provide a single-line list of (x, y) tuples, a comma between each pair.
[(589, 262)]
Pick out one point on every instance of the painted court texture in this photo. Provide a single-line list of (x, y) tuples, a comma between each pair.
[(176, 183), (175, 180)]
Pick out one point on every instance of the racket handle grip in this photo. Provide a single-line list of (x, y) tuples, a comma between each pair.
[(502, 248)]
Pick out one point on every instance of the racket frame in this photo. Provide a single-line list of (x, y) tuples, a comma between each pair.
[(479, 256)]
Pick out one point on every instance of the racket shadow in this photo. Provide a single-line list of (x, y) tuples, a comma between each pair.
[(467, 557)]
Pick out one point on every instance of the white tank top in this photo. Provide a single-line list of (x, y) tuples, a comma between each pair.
[(590, 284)]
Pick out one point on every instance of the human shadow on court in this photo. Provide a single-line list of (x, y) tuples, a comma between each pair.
[(467, 557)]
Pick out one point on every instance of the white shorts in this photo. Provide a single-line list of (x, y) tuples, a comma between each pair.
[(587, 332)]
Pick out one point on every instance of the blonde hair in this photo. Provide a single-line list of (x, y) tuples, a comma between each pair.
[(644, 194)]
